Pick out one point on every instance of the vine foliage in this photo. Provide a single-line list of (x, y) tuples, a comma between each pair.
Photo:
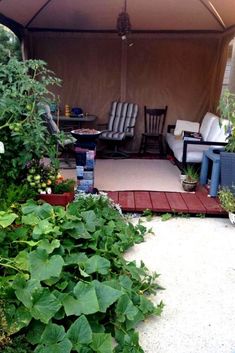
[(65, 285)]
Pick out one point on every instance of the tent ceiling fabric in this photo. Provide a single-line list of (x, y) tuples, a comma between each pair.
[(101, 15)]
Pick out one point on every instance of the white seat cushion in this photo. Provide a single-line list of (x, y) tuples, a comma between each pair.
[(173, 142), (206, 125), (194, 153), (214, 131), (223, 135)]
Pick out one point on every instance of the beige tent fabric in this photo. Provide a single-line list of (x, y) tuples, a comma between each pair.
[(183, 71)]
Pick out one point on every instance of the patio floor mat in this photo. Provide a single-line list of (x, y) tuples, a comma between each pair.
[(137, 174)]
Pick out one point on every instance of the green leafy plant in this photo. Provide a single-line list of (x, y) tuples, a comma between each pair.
[(66, 185), (65, 285), (191, 174), (12, 194), (227, 199), (148, 214), (227, 112), (23, 91), (166, 216)]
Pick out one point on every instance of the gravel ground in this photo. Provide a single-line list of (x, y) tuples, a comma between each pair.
[(196, 260)]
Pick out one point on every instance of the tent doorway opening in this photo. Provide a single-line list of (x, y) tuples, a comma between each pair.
[(229, 74)]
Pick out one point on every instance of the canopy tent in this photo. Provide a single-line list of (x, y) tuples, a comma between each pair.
[(177, 58), (101, 15)]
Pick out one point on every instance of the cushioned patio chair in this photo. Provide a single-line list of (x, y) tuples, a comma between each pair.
[(121, 124), (65, 146)]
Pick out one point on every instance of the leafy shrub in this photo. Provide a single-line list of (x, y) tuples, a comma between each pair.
[(227, 199), (64, 282), (227, 112), (23, 89)]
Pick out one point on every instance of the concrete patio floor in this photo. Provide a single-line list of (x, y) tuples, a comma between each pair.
[(196, 260)]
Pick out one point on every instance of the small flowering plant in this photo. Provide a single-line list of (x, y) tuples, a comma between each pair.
[(227, 112), (45, 179)]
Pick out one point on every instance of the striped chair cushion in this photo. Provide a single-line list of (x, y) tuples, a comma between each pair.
[(112, 135), (122, 115)]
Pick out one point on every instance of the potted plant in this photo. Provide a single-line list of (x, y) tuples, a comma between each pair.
[(190, 179), (227, 200), (49, 184), (227, 157)]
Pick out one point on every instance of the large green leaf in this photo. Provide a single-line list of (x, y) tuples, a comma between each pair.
[(45, 227), (87, 299), (64, 346), (49, 247), (16, 318), (76, 259), (35, 332), (71, 306), (106, 295), (146, 306), (90, 298), (91, 220), (80, 332), (98, 264), (102, 343), (21, 261), (43, 267), (130, 324), (53, 334), (29, 207), (77, 230), (42, 211), (24, 289), (126, 308), (45, 305), (7, 218), (125, 282), (30, 219)]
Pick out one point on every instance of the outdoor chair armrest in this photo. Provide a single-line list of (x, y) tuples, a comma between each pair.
[(200, 143), (129, 127), (170, 128)]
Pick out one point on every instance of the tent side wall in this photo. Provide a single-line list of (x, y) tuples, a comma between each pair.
[(183, 71)]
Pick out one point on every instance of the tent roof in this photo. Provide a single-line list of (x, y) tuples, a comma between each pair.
[(101, 15)]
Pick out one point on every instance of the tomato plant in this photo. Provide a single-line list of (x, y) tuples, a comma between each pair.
[(23, 91)]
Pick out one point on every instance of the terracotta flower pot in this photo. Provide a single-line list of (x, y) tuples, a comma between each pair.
[(57, 199)]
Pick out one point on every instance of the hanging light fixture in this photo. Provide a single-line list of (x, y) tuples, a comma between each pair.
[(123, 23)]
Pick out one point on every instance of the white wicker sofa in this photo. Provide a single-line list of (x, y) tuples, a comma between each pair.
[(213, 133)]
